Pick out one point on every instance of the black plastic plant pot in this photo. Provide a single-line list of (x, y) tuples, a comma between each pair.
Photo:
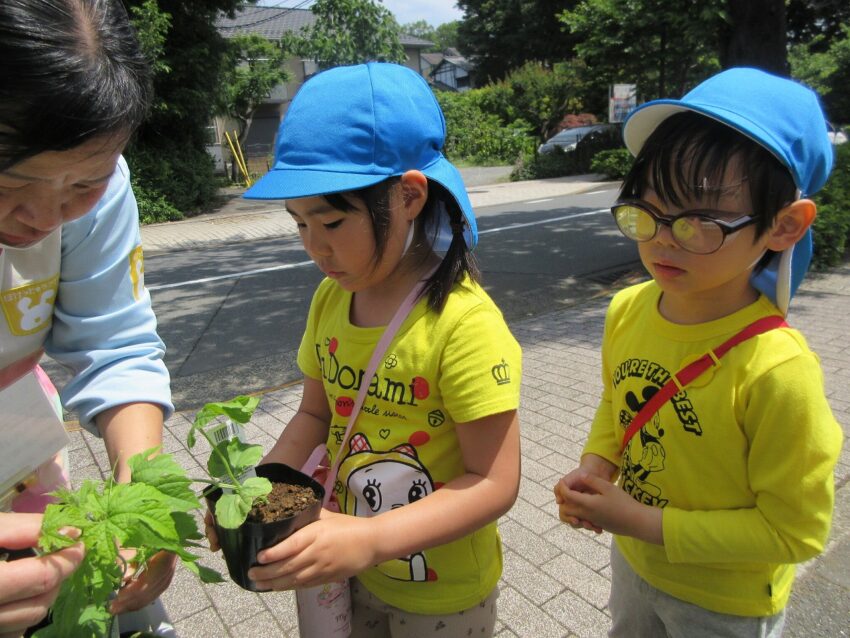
[(241, 545)]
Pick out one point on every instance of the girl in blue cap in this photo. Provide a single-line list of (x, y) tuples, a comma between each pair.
[(433, 458), (713, 419)]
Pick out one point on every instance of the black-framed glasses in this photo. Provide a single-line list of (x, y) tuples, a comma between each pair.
[(697, 231)]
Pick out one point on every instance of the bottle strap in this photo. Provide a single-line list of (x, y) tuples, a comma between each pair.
[(377, 356), (693, 370)]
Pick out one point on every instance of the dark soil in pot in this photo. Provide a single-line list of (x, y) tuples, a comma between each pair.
[(289, 511)]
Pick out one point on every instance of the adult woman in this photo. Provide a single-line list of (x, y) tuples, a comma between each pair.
[(73, 88)]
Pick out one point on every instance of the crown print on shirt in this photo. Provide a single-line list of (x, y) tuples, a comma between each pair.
[(501, 373)]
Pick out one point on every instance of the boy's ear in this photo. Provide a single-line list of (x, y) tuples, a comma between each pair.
[(791, 224), (414, 193)]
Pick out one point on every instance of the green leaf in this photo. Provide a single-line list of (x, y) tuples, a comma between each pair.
[(241, 457), (150, 514), (163, 473), (231, 510), (238, 409), (256, 487)]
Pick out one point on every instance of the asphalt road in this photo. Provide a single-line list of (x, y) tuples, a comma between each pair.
[(232, 315)]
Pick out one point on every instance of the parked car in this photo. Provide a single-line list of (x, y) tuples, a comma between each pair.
[(836, 134), (569, 138)]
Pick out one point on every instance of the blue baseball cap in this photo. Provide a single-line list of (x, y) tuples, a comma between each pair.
[(354, 126), (781, 115)]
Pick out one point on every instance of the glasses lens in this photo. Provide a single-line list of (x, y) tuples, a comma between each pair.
[(635, 223), (697, 234)]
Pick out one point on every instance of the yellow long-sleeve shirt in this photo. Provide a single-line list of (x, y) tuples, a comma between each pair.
[(741, 461)]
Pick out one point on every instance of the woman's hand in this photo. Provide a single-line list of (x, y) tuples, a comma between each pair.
[(141, 589), (321, 552), (29, 586)]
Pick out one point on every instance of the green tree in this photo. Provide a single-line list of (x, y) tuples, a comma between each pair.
[(168, 155), (663, 46), (350, 32), (254, 68), (827, 71), (754, 34), (443, 36), (501, 36), (808, 19), (534, 94)]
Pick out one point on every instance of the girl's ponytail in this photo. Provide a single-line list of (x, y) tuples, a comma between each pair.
[(458, 261)]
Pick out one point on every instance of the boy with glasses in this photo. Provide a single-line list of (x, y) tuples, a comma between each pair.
[(711, 454)]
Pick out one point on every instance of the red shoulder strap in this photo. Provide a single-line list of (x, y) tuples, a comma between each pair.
[(693, 370)]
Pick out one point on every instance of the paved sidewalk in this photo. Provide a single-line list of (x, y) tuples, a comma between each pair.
[(556, 579)]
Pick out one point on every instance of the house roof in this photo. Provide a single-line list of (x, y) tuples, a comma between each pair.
[(433, 58), (458, 61), (273, 22)]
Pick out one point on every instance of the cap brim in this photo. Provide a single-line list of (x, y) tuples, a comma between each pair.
[(292, 183)]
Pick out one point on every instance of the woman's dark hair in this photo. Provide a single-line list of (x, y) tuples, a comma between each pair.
[(70, 71), (689, 150), (458, 260)]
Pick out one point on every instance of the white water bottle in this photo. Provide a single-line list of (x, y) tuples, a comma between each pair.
[(324, 611)]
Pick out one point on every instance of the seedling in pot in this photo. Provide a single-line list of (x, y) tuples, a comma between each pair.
[(232, 461)]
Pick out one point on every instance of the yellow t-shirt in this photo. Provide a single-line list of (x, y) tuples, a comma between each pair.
[(455, 366), (741, 461)]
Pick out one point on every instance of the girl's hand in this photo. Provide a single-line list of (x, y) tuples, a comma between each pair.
[(334, 547), (608, 507), (209, 530)]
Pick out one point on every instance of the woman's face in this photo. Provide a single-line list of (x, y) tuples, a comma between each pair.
[(39, 194)]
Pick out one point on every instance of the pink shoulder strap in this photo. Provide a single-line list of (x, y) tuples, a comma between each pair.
[(377, 356)]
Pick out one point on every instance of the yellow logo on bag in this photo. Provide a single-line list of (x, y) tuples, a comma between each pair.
[(137, 272), (29, 309)]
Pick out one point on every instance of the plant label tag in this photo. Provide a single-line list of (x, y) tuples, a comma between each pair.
[(227, 431), (33, 432)]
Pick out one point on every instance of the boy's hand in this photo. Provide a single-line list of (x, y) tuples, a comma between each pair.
[(608, 507), (572, 482), (590, 464)]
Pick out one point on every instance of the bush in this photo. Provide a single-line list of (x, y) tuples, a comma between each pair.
[(181, 176), (153, 207), (558, 163), (478, 137), (832, 224), (614, 163)]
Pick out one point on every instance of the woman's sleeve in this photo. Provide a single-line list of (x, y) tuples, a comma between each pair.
[(104, 329)]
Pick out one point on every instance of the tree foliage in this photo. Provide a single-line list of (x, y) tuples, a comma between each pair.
[(501, 36), (169, 154), (536, 95), (350, 32), (254, 67), (754, 34), (663, 46), (827, 70), (444, 36)]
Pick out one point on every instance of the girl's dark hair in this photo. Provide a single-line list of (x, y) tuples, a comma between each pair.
[(688, 150), (458, 260), (70, 71)]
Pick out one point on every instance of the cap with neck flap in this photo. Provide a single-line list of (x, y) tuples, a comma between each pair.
[(781, 115)]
